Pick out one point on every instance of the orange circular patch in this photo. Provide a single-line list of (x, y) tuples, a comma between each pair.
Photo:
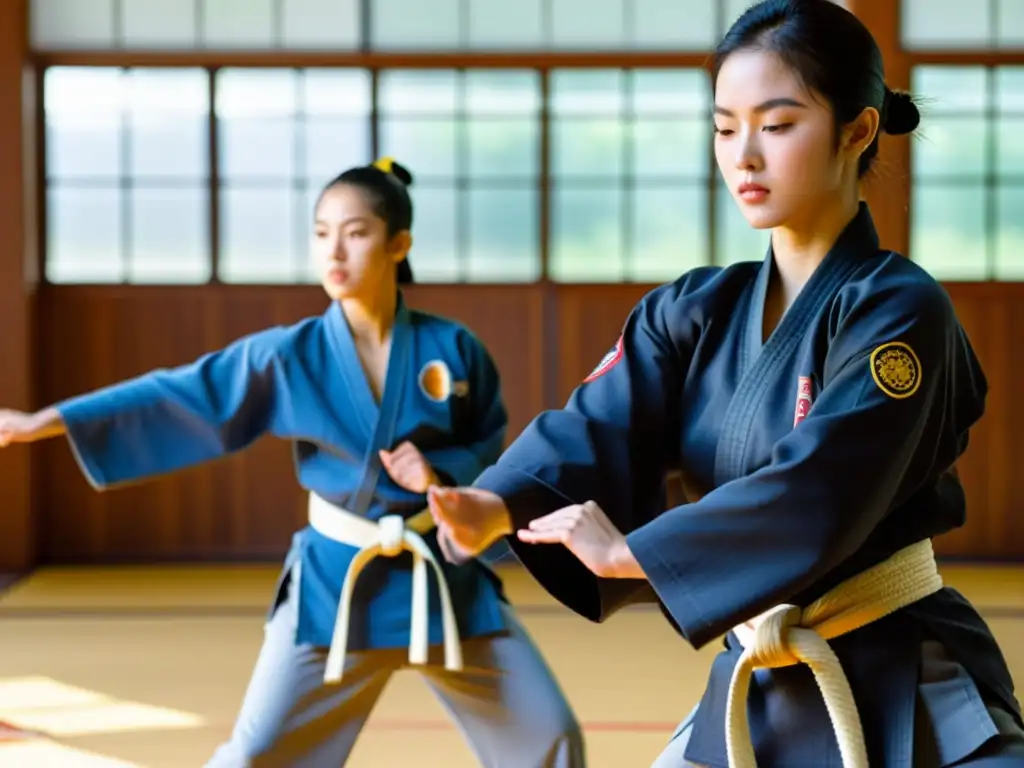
[(436, 381)]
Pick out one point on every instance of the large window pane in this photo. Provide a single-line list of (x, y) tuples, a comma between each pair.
[(947, 233), (65, 24), (503, 244), (418, 121), (499, 92), (678, 92), (952, 147), (1010, 89), (496, 24), (169, 236), (333, 145), (418, 92), (599, 92), (256, 123), (415, 24), (167, 122), (257, 236), (587, 229), (306, 270), (669, 232), (426, 146), (503, 148), (83, 122), (435, 255), (588, 129), (588, 23), (951, 90), (735, 239), (84, 235), (1009, 86), (683, 24), (674, 146), (1010, 29), (337, 121), (731, 10), (322, 24), (940, 24), (239, 24), (1010, 146), (1009, 236), (586, 149), (158, 23), (502, 133)]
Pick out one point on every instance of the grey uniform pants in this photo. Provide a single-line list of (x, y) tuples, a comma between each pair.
[(506, 702)]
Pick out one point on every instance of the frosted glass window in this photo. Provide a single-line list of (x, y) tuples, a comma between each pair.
[(169, 237), (158, 24), (682, 24), (669, 235), (588, 24), (1010, 25), (415, 24), (239, 24), (167, 122), (258, 236), (948, 234), (497, 24), (84, 121), (71, 24), (321, 24), (503, 235), (947, 24), (256, 111), (84, 235)]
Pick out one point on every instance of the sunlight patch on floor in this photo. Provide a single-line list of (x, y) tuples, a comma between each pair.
[(52, 707), (48, 754)]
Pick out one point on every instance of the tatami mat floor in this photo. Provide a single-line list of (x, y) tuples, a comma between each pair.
[(145, 667)]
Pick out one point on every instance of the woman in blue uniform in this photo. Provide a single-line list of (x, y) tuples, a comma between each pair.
[(380, 402), (815, 403)]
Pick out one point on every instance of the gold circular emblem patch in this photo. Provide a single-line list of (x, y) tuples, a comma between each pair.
[(896, 369)]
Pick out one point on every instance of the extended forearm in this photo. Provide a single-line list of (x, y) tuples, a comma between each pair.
[(47, 423)]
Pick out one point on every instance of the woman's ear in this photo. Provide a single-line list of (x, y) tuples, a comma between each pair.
[(858, 134), (400, 245)]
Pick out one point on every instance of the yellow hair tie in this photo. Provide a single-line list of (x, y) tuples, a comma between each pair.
[(385, 164)]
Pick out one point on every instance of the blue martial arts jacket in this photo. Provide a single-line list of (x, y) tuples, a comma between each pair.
[(806, 458), (305, 384)]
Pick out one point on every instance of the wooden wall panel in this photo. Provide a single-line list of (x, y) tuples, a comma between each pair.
[(17, 545), (545, 340), (992, 470), (245, 506)]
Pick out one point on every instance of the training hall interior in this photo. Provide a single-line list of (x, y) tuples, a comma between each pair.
[(159, 160)]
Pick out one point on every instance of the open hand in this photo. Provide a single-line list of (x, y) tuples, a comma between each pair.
[(586, 531), (469, 520), (18, 427), (408, 467)]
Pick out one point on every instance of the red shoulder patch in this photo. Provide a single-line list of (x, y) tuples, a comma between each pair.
[(608, 362)]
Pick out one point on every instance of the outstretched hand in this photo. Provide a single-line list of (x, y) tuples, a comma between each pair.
[(469, 520), (19, 427), (586, 531)]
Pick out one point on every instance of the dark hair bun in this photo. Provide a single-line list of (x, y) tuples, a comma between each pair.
[(401, 173), (902, 115)]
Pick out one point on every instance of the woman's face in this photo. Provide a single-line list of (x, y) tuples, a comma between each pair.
[(351, 248), (775, 142)]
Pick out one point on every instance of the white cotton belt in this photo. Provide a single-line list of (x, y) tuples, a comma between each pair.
[(387, 537), (788, 635)]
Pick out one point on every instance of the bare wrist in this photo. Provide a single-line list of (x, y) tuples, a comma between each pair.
[(624, 564)]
